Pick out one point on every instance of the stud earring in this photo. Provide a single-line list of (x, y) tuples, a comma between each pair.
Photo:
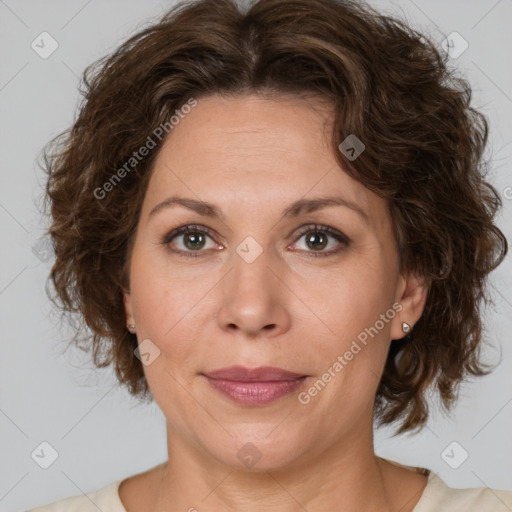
[(406, 327), (131, 328)]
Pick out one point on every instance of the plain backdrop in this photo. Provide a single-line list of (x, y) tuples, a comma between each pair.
[(99, 433)]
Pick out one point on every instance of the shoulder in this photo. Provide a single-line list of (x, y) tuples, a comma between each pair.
[(438, 497), (105, 499)]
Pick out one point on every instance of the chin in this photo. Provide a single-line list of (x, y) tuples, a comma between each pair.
[(257, 451)]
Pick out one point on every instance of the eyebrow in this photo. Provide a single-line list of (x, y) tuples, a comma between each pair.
[(297, 208)]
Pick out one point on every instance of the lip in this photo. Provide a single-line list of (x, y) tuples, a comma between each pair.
[(260, 374), (256, 386)]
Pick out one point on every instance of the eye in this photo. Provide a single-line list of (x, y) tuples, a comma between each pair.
[(193, 240), (318, 238)]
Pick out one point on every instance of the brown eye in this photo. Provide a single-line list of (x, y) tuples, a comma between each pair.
[(193, 240), (317, 239)]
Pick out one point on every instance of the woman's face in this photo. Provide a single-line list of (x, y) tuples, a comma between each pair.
[(259, 288)]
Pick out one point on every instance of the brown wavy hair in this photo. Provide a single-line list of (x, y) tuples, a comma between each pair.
[(387, 83)]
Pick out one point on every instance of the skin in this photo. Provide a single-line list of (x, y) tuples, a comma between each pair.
[(251, 157)]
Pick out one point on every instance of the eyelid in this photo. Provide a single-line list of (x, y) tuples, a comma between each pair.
[(188, 227)]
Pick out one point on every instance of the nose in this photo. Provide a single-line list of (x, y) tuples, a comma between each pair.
[(255, 300)]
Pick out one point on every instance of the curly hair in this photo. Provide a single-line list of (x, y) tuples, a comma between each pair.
[(387, 83)]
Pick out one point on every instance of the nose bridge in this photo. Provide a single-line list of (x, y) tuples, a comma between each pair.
[(251, 262)]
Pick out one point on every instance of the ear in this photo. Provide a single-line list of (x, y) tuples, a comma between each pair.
[(411, 295), (128, 308)]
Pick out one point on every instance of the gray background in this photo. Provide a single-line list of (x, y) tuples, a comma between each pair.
[(99, 432)]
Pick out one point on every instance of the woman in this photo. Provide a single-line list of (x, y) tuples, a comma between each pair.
[(274, 221)]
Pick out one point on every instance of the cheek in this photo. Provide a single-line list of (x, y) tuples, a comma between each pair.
[(169, 307), (352, 296), (158, 291), (350, 303), (330, 303)]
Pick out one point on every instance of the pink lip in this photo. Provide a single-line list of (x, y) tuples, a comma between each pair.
[(260, 374), (258, 386)]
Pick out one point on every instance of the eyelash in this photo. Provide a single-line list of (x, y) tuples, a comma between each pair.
[(311, 228)]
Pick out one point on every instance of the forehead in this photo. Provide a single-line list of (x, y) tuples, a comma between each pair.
[(251, 152)]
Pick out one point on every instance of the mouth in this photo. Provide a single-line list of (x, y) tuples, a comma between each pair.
[(256, 386)]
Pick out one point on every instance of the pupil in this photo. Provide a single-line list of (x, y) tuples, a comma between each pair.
[(193, 239), (314, 237)]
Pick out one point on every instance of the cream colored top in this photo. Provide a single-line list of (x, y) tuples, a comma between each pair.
[(436, 497)]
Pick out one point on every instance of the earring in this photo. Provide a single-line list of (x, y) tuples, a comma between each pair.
[(406, 327), (131, 328)]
